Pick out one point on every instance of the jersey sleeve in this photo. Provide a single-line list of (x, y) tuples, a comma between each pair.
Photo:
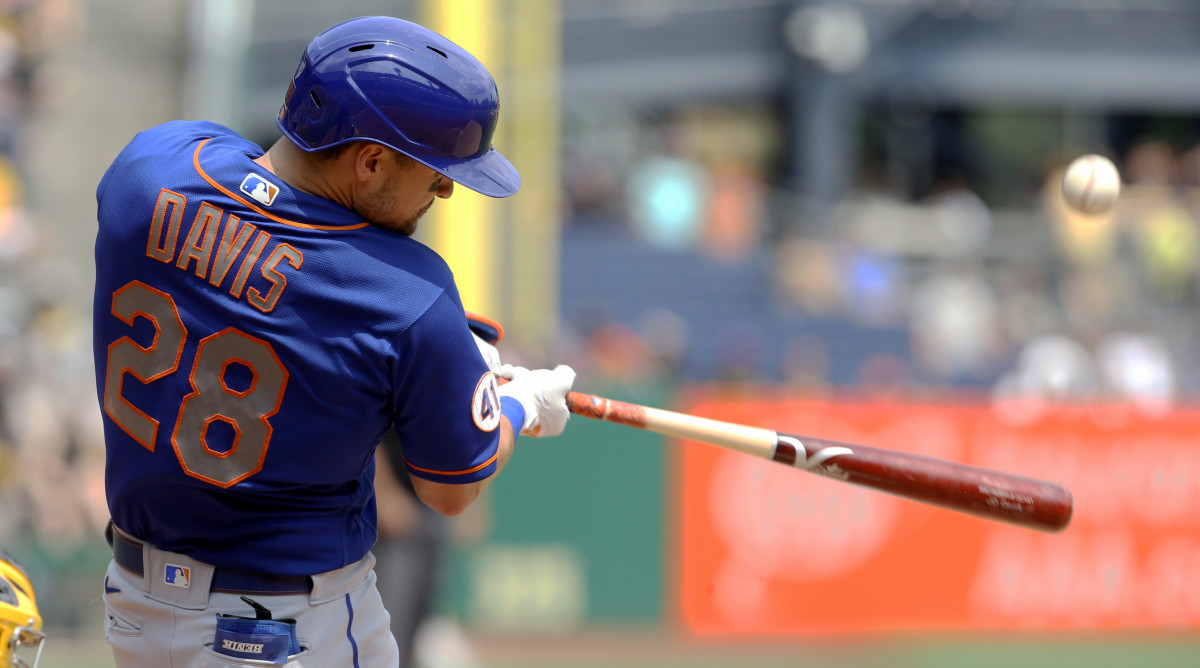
[(446, 410)]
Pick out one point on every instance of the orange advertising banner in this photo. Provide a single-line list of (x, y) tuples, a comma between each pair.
[(764, 549)]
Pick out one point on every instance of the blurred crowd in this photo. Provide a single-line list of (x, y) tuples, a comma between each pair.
[(51, 450), (51, 453), (1026, 305)]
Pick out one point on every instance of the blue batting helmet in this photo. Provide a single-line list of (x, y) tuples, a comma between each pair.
[(402, 85)]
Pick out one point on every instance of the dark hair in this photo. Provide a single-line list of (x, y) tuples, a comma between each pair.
[(338, 150), (332, 153)]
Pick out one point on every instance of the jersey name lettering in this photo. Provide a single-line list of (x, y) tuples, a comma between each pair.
[(211, 251)]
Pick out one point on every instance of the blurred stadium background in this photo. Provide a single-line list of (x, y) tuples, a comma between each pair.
[(835, 218)]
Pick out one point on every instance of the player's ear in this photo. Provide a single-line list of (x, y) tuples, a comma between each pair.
[(368, 160)]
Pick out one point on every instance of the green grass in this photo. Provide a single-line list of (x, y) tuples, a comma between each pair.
[(1088, 651), (63, 652), (642, 649)]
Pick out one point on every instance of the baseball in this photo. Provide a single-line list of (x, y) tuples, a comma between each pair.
[(1091, 184)]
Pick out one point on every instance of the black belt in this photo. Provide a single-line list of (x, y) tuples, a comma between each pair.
[(127, 552)]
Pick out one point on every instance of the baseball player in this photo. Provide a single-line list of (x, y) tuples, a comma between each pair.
[(261, 320)]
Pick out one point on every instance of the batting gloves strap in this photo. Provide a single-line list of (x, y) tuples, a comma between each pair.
[(543, 395)]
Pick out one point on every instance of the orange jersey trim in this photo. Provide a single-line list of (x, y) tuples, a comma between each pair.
[(490, 323), (463, 472), (255, 208)]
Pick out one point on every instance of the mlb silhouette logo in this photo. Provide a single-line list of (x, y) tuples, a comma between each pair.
[(177, 576), (260, 189)]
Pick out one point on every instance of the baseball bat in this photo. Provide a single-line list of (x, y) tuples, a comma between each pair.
[(994, 495)]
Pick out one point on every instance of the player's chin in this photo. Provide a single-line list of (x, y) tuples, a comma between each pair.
[(407, 226)]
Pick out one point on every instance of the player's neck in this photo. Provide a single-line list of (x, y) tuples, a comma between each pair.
[(297, 169)]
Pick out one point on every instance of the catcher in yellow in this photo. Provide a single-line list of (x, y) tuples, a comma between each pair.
[(20, 624)]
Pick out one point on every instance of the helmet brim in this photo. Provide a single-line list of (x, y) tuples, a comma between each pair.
[(490, 174)]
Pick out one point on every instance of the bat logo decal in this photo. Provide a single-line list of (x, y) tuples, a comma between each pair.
[(791, 451)]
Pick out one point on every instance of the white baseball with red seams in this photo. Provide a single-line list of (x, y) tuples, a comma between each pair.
[(1091, 184)]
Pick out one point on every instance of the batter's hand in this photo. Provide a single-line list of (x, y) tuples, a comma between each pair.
[(543, 395)]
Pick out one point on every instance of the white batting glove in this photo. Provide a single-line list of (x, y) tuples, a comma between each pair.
[(508, 371), (543, 395), (491, 356)]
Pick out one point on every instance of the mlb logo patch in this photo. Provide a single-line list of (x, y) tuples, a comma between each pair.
[(177, 576), (259, 189)]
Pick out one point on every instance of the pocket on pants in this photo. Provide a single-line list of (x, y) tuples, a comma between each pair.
[(120, 624), (124, 633), (214, 660)]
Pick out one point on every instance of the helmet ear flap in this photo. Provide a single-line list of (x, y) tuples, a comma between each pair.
[(311, 118), (306, 114)]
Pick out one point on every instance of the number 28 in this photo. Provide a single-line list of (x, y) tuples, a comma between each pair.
[(246, 411)]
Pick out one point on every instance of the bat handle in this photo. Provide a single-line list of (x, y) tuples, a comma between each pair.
[(578, 402), (600, 408)]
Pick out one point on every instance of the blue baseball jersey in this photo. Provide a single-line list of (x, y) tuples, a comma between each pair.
[(253, 343)]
